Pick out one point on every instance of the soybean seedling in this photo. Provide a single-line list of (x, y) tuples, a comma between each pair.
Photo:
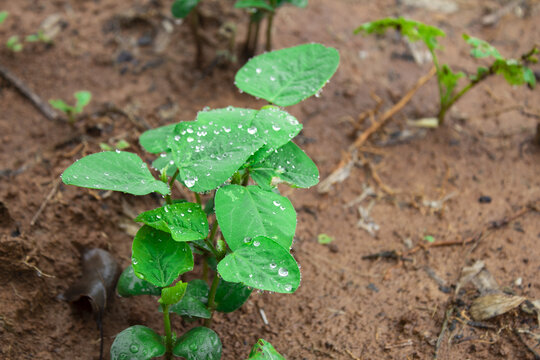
[(14, 44), (39, 37), (82, 99), (514, 71), (259, 10), (231, 160), (182, 9)]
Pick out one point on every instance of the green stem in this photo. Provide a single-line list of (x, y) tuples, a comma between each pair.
[(198, 198), (245, 179), (168, 198), (205, 269), (211, 299), (168, 333), (269, 31)]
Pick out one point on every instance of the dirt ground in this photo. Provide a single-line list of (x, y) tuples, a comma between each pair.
[(424, 182)]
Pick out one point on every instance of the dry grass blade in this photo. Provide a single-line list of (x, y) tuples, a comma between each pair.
[(491, 305)]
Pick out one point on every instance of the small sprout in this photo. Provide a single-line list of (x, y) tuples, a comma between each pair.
[(82, 99), (3, 16), (324, 239), (429, 238), (39, 37), (14, 44), (120, 145), (248, 245)]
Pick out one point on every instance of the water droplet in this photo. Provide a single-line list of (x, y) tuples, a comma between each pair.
[(227, 129), (134, 261), (272, 78), (256, 243), (189, 139), (288, 287), (273, 265), (252, 130), (283, 272), (177, 138), (189, 182), (189, 130), (193, 347), (275, 127), (117, 151), (134, 348), (258, 71), (250, 275), (276, 203), (247, 239)]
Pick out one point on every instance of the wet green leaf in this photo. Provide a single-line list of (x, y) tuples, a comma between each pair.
[(130, 285), (114, 170), (247, 212), (185, 221), (262, 264), (157, 258), (155, 140), (173, 294), (286, 77), (137, 343), (181, 8), (193, 304), (199, 343)]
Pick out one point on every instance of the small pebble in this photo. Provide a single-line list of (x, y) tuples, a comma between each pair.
[(484, 199)]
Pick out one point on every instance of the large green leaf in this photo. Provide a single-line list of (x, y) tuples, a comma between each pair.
[(155, 140), (231, 296), (246, 212), (286, 77), (185, 221), (157, 258), (181, 8), (276, 127), (208, 153), (199, 343), (130, 285), (288, 164), (114, 170), (253, 4), (172, 295), (262, 264), (193, 303), (137, 343), (263, 350)]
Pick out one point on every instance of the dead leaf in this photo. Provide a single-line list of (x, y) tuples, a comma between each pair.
[(491, 305)]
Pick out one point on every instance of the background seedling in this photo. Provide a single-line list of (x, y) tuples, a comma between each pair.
[(514, 71), (183, 9), (259, 10), (3, 16), (82, 99), (231, 160), (14, 44), (39, 37)]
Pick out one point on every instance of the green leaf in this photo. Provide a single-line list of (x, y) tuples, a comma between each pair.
[(263, 350), (14, 44), (193, 304), (122, 144), (3, 16), (324, 239), (172, 295), (155, 140), (297, 3), (61, 105), (286, 77), (412, 30), (288, 164), (231, 296), (247, 212), (199, 343), (114, 170), (276, 127), (209, 153), (130, 285), (253, 4), (448, 80), (262, 264), (514, 73), (181, 8), (481, 48), (165, 162), (83, 98), (137, 343), (157, 258), (184, 221)]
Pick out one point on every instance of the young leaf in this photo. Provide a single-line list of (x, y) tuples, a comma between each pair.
[(288, 164), (155, 140), (61, 105), (263, 350), (199, 343), (262, 264), (246, 212), (137, 343), (172, 295), (157, 258), (181, 8), (3, 16), (185, 221), (514, 72), (412, 30), (448, 80), (253, 4), (209, 153), (286, 77), (481, 48), (82, 99), (165, 161), (114, 170), (130, 285), (231, 296), (193, 303)]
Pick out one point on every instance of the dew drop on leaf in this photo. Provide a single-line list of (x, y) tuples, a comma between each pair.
[(273, 265), (283, 272)]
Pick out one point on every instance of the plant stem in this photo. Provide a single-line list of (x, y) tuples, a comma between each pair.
[(168, 198), (198, 198), (205, 269), (211, 299), (168, 333), (194, 24), (469, 86), (269, 31)]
